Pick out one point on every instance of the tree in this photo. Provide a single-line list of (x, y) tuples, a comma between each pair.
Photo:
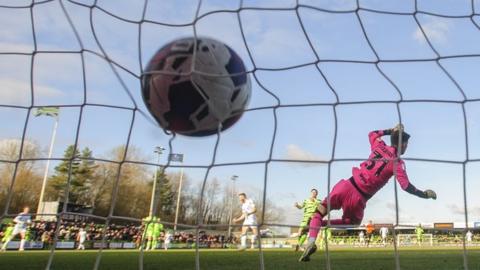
[(133, 193), (85, 177), (205, 204), (28, 175), (273, 214), (165, 196), (217, 202), (81, 169), (134, 187), (101, 187), (212, 210)]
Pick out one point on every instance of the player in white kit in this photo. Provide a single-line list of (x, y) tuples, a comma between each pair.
[(469, 236), (361, 236), (21, 221), (249, 220), (384, 235), (81, 237), (168, 240)]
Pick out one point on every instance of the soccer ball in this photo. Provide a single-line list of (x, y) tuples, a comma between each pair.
[(195, 103)]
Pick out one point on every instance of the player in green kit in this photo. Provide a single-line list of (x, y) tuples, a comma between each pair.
[(8, 233), (146, 221), (309, 207), (151, 226), (157, 229), (419, 233)]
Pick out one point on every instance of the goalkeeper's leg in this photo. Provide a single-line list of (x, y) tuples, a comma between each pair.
[(315, 224), (309, 250), (345, 196), (311, 247), (338, 197)]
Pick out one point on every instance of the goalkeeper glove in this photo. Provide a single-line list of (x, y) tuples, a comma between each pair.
[(398, 127), (430, 194)]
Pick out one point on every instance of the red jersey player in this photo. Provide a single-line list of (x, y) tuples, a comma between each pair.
[(351, 195)]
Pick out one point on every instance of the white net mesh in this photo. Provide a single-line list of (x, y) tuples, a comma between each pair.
[(324, 73)]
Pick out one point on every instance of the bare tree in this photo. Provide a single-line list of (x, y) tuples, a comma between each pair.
[(133, 195), (28, 174)]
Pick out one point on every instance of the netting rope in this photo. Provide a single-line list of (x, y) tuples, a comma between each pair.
[(135, 110)]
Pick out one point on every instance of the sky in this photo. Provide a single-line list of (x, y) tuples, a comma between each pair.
[(400, 75)]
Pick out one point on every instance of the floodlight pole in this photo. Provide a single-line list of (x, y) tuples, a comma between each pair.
[(158, 150), (41, 205), (233, 178), (178, 199)]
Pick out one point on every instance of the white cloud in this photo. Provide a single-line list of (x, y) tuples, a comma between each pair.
[(436, 30), (455, 209), (14, 92), (459, 210), (391, 206), (289, 195), (474, 212), (274, 42), (295, 152), (276, 39)]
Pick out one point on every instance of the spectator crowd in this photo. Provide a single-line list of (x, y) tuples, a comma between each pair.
[(42, 231)]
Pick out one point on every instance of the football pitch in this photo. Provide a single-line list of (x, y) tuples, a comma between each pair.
[(347, 259)]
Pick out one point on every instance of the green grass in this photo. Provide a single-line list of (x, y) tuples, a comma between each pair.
[(347, 259)]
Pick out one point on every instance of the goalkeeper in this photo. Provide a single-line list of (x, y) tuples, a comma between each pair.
[(157, 229), (153, 227), (309, 207), (351, 195)]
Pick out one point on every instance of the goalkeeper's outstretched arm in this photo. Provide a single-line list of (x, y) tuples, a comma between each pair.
[(427, 194), (405, 184)]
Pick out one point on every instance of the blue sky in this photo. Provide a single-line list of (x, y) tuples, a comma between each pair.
[(275, 40)]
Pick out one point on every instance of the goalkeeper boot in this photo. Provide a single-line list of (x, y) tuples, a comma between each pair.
[(309, 250)]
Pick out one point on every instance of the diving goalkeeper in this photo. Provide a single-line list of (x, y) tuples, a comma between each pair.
[(351, 195)]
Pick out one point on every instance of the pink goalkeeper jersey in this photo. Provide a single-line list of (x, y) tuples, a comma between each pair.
[(375, 172)]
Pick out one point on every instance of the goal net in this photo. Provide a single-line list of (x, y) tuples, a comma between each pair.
[(413, 240), (79, 147)]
